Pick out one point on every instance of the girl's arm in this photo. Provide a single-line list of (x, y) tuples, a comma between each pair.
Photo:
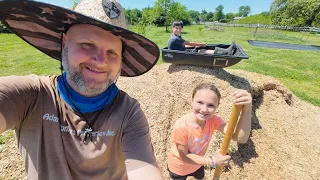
[(190, 158), (199, 160), (243, 128)]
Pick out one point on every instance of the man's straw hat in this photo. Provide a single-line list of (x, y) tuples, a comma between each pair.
[(42, 24)]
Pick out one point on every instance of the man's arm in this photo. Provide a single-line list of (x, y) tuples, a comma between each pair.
[(146, 172), (193, 44), (17, 95), (2, 124), (136, 145)]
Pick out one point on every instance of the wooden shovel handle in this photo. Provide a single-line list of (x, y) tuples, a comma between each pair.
[(228, 136)]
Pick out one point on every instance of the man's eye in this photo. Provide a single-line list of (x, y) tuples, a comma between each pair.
[(112, 54), (88, 45)]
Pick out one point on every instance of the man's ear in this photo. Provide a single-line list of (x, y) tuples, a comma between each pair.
[(64, 39)]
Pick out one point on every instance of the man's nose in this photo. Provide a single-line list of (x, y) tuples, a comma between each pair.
[(100, 56)]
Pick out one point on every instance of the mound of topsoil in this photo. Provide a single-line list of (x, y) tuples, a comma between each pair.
[(284, 143)]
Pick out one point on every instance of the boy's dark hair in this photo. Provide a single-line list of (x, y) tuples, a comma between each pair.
[(177, 23), (208, 86)]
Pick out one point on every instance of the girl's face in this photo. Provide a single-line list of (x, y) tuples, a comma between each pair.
[(204, 104)]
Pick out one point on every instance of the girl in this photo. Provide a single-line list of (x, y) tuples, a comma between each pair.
[(192, 133)]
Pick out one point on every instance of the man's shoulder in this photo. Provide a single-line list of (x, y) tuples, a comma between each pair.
[(30, 80), (125, 95), (32, 77), (125, 99)]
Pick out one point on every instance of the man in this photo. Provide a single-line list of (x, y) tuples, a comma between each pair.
[(176, 42), (79, 125)]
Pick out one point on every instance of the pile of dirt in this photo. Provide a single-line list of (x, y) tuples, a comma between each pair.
[(283, 143)]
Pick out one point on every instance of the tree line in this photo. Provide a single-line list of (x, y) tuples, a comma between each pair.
[(295, 12), (282, 12), (163, 12)]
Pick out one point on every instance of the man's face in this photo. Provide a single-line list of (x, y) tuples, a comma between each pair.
[(177, 30), (91, 58)]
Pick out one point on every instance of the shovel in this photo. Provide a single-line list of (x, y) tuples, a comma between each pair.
[(228, 136)]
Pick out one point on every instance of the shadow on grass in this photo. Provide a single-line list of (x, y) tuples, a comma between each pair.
[(245, 151)]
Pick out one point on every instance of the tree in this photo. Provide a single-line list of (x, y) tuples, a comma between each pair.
[(219, 13), (135, 15), (295, 12), (127, 15), (147, 15), (210, 16), (244, 11), (265, 13), (160, 9), (230, 16), (203, 15), (177, 11), (169, 10), (316, 21), (256, 19), (195, 16), (203, 12)]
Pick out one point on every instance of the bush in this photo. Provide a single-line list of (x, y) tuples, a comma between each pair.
[(160, 21), (186, 22), (223, 20), (316, 21), (141, 27), (256, 19)]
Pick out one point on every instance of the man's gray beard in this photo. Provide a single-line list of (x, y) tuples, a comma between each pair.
[(78, 79)]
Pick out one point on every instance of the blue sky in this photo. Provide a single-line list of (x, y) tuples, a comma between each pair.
[(257, 6)]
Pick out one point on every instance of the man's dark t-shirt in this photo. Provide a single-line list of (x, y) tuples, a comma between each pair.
[(176, 43)]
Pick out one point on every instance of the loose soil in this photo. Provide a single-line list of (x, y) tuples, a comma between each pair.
[(284, 142)]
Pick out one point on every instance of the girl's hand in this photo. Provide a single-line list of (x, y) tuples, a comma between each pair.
[(243, 97), (221, 160)]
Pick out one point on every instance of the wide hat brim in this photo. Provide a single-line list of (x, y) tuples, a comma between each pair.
[(42, 24)]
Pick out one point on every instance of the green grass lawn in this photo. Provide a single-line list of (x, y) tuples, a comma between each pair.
[(297, 70), (19, 58)]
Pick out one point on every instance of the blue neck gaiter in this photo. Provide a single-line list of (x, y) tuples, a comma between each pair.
[(82, 103)]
